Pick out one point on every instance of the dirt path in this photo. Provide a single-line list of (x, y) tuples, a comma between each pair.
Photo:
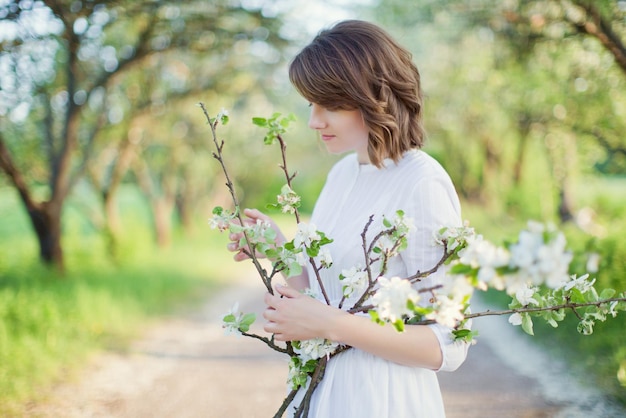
[(186, 367)]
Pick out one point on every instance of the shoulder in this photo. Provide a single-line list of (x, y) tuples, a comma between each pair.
[(346, 165), (422, 166)]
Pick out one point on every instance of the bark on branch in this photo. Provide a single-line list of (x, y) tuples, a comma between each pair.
[(600, 28)]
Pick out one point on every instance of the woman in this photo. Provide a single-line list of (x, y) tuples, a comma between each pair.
[(366, 100)]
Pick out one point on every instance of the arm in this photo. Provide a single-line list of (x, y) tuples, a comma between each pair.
[(299, 282), (300, 317)]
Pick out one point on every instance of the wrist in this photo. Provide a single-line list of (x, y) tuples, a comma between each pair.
[(335, 324)]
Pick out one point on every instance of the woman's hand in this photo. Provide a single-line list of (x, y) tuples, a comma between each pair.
[(296, 316), (251, 218)]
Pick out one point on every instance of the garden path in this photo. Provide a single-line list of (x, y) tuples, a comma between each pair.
[(185, 367)]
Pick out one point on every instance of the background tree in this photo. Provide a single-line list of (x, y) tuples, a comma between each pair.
[(505, 79), (67, 66)]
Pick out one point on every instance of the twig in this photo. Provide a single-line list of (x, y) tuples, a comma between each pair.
[(231, 188), (544, 309), (420, 275), (286, 403), (270, 343), (316, 378), (283, 166)]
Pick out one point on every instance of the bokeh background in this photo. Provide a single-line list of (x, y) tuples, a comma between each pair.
[(107, 177)]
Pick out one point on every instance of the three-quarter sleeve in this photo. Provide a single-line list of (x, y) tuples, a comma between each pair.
[(434, 204)]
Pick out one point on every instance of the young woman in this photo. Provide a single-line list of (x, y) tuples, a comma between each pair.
[(366, 100)]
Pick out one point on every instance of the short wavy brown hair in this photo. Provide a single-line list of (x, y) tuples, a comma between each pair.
[(357, 65)]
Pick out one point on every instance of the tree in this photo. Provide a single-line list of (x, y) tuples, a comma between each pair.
[(525, 72), (67, 60)]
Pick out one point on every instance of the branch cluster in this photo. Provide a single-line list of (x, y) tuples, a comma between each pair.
[(533, 271)]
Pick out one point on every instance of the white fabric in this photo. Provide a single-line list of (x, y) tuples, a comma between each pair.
[(356, 383)]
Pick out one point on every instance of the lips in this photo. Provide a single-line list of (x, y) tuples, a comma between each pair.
[(327, 137)]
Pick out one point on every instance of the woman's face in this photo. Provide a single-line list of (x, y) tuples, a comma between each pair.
[(341, 130)]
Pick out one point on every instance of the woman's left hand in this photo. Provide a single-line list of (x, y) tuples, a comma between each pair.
[(296, 316)]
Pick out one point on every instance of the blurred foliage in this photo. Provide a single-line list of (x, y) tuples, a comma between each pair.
[(95, 87), (49, 325), (525, 107), (500, 75)]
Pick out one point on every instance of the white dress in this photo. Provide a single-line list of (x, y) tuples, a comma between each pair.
[(356, 383)]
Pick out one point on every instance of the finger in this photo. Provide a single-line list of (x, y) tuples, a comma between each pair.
[(269, 314), (287, 291), (240, 256), (270, 300), (255, 214)]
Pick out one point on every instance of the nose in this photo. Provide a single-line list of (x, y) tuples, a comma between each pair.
[(316, 118)]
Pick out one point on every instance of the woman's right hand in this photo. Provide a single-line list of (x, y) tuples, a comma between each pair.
[(251, 218)]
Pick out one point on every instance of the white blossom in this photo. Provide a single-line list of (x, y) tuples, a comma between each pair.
[(232, 327), (222, 116), (593, 263), (525, 296), (448, 311), (354, 280), (325, 258), (458, 289), (401, 223), (302, 258), (515, 319), (581, 283), (487, 258), (314, 348), (454, 236), (305, 234), (386, 244), (257, 231), (221, 219), (390, 300), (288, 257), (541, 261), (288, 200)]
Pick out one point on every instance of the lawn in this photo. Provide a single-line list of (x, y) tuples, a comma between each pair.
[(50, 323)]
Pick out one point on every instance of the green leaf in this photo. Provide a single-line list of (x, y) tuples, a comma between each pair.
[(294, 269), (375, 317), (607, 293), (527, 324), (247, 320), (463, 269), (463, 334), (270, 235), (236, 228), (399, 325), (261, 122), (576, 296), (229, 318)]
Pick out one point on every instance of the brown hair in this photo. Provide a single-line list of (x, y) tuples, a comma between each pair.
[(357, 65)]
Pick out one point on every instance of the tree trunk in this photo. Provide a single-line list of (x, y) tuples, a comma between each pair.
[(163, 208), (46, 220), (183, 208), (523, 127), (45, 217)]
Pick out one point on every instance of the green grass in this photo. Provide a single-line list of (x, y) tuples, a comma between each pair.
[(50, 324)]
